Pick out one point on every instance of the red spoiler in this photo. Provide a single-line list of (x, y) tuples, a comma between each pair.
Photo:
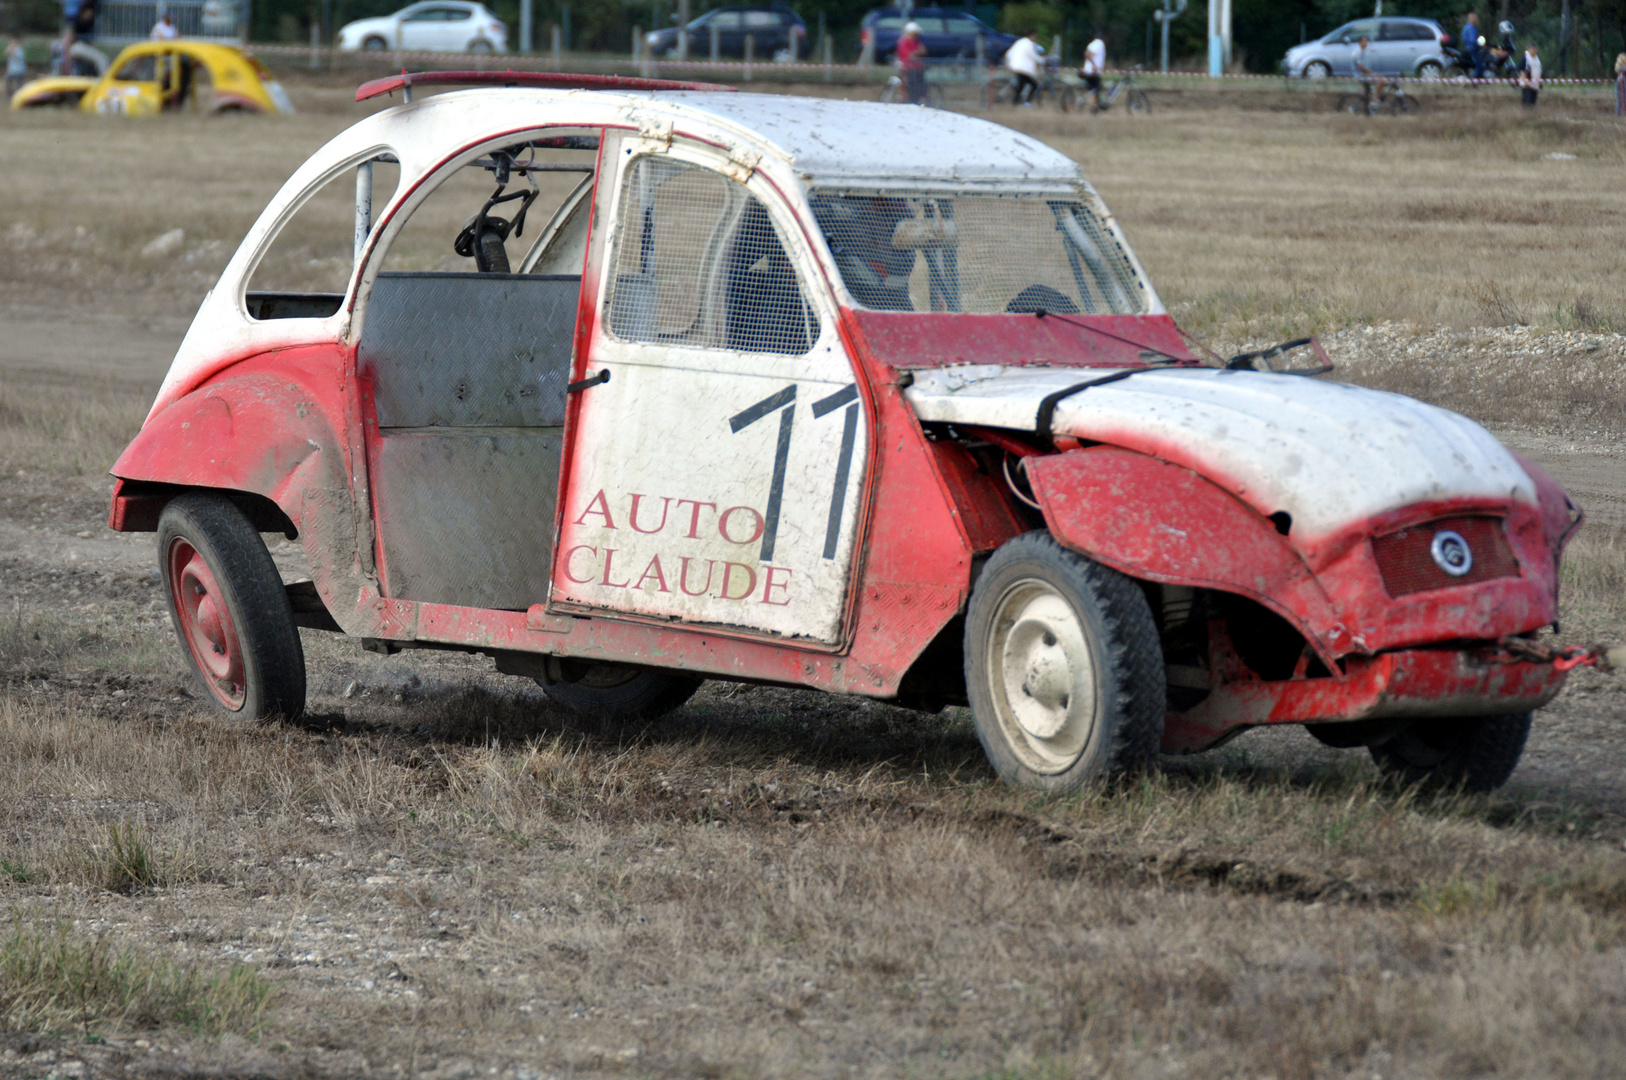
[(549, 80)]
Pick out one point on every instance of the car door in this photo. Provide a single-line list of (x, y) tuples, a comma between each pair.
[(767, 32), (717, 439), (1389, 51), (423, 29), (934, 34), (1341, 54), (961, 33)]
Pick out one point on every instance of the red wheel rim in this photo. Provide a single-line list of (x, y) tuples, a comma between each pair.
[(206, 624)]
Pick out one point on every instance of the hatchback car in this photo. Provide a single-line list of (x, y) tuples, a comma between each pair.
[(1394, 47), (822, 394), (152, 77), (436, 26), (948, 33), (774, 31)]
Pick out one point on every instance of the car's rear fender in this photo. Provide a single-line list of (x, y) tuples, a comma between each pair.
[(279, 427)]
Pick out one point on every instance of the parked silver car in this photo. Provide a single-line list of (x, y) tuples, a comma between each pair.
[(1396, 47)]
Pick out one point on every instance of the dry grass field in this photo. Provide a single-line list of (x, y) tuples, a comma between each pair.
[(439, 874)]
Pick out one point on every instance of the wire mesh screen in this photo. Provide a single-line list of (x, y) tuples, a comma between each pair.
[(981, 254), (698, 262)]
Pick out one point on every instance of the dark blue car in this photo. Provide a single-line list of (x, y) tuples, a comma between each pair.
[(949, 34)]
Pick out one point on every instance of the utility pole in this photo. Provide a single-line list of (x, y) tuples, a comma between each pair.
[(1164, 17), (683, 30)]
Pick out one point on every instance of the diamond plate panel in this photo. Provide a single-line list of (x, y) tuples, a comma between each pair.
[(469, 350)]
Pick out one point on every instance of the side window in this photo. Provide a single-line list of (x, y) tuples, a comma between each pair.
[(758, 20), (929, 25), (726, 20), (514, 209), (698, 262), (141, 69), (427, 15), (306, 269), (456, 14), (964, 27)]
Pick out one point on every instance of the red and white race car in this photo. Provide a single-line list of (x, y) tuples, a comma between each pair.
[(824, 394)]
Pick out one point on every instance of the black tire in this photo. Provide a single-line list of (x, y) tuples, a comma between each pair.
[(1428, 69), (1402, 104), (1139, 102), (1043, 615), (1317, 69), (618, 692), (1475, 753), (1067, 99), (374, 44), (482, 48), (229, 609)]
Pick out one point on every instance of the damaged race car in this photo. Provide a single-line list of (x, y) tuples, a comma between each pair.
[(818, 394)]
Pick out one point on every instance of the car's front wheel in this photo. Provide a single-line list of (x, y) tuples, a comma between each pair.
[(229, 608), (1475, 753), (1429, 69), (375, 44), (481, 47), (1317, 69), (1063, 667)]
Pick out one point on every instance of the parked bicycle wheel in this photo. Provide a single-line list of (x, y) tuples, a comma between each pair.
[(1402, 104), (1067, 99), (1139, 102)]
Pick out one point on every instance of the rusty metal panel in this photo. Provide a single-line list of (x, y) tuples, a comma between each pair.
[(466, 515), (469, 350)]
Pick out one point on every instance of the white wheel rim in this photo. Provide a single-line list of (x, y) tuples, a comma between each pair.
[(1042, 675), (1315, 71)]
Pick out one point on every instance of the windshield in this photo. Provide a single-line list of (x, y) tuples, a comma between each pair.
[(978, 254)]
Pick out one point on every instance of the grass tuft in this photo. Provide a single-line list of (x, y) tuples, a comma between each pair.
[(54, 980)]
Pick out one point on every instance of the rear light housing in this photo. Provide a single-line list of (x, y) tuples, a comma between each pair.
[(1443, 554)]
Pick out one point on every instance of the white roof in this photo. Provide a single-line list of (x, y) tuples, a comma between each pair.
[(825, 139)]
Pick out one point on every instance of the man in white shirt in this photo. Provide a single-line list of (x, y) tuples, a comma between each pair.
[(1530, 76), (1094, 66), (164, 29), (1023, 59)]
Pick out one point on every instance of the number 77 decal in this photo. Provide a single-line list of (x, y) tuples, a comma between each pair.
[(786, 400)]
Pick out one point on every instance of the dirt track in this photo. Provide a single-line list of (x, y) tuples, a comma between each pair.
[(771, 883)]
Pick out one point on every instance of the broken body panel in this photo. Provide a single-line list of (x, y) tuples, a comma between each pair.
[(799, 493)]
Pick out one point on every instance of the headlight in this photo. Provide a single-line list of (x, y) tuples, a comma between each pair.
[(651, 38)]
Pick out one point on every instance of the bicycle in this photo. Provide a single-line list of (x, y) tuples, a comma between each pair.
[(1376, 97), (1135, 99), (1050, 88), (892, 93)]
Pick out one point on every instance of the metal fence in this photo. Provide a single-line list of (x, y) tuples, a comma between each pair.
[(122, 21)]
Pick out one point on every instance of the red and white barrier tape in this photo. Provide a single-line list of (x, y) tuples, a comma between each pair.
[(536, 62)]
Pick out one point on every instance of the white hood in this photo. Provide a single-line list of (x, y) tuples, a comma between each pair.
[(1327, 453)]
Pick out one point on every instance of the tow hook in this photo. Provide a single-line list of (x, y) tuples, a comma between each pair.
[(1514, 650)]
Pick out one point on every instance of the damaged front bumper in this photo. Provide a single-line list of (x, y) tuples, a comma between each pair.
[(1484, 680)]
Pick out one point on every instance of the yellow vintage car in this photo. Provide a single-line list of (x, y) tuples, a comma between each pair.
[(151, 77)]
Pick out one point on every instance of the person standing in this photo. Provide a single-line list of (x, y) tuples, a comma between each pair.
[(912, 65), (1530, 76), (16, 66), (1093, 68), (1472, 44), (1620, 84), (164, 28), (84, 20), (1023, 59)]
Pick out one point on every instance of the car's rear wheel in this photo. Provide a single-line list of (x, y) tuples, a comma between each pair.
[(1317, 69), (619, 692), (229, 608), (1474, 753), (375, 44), (1063, 667)]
